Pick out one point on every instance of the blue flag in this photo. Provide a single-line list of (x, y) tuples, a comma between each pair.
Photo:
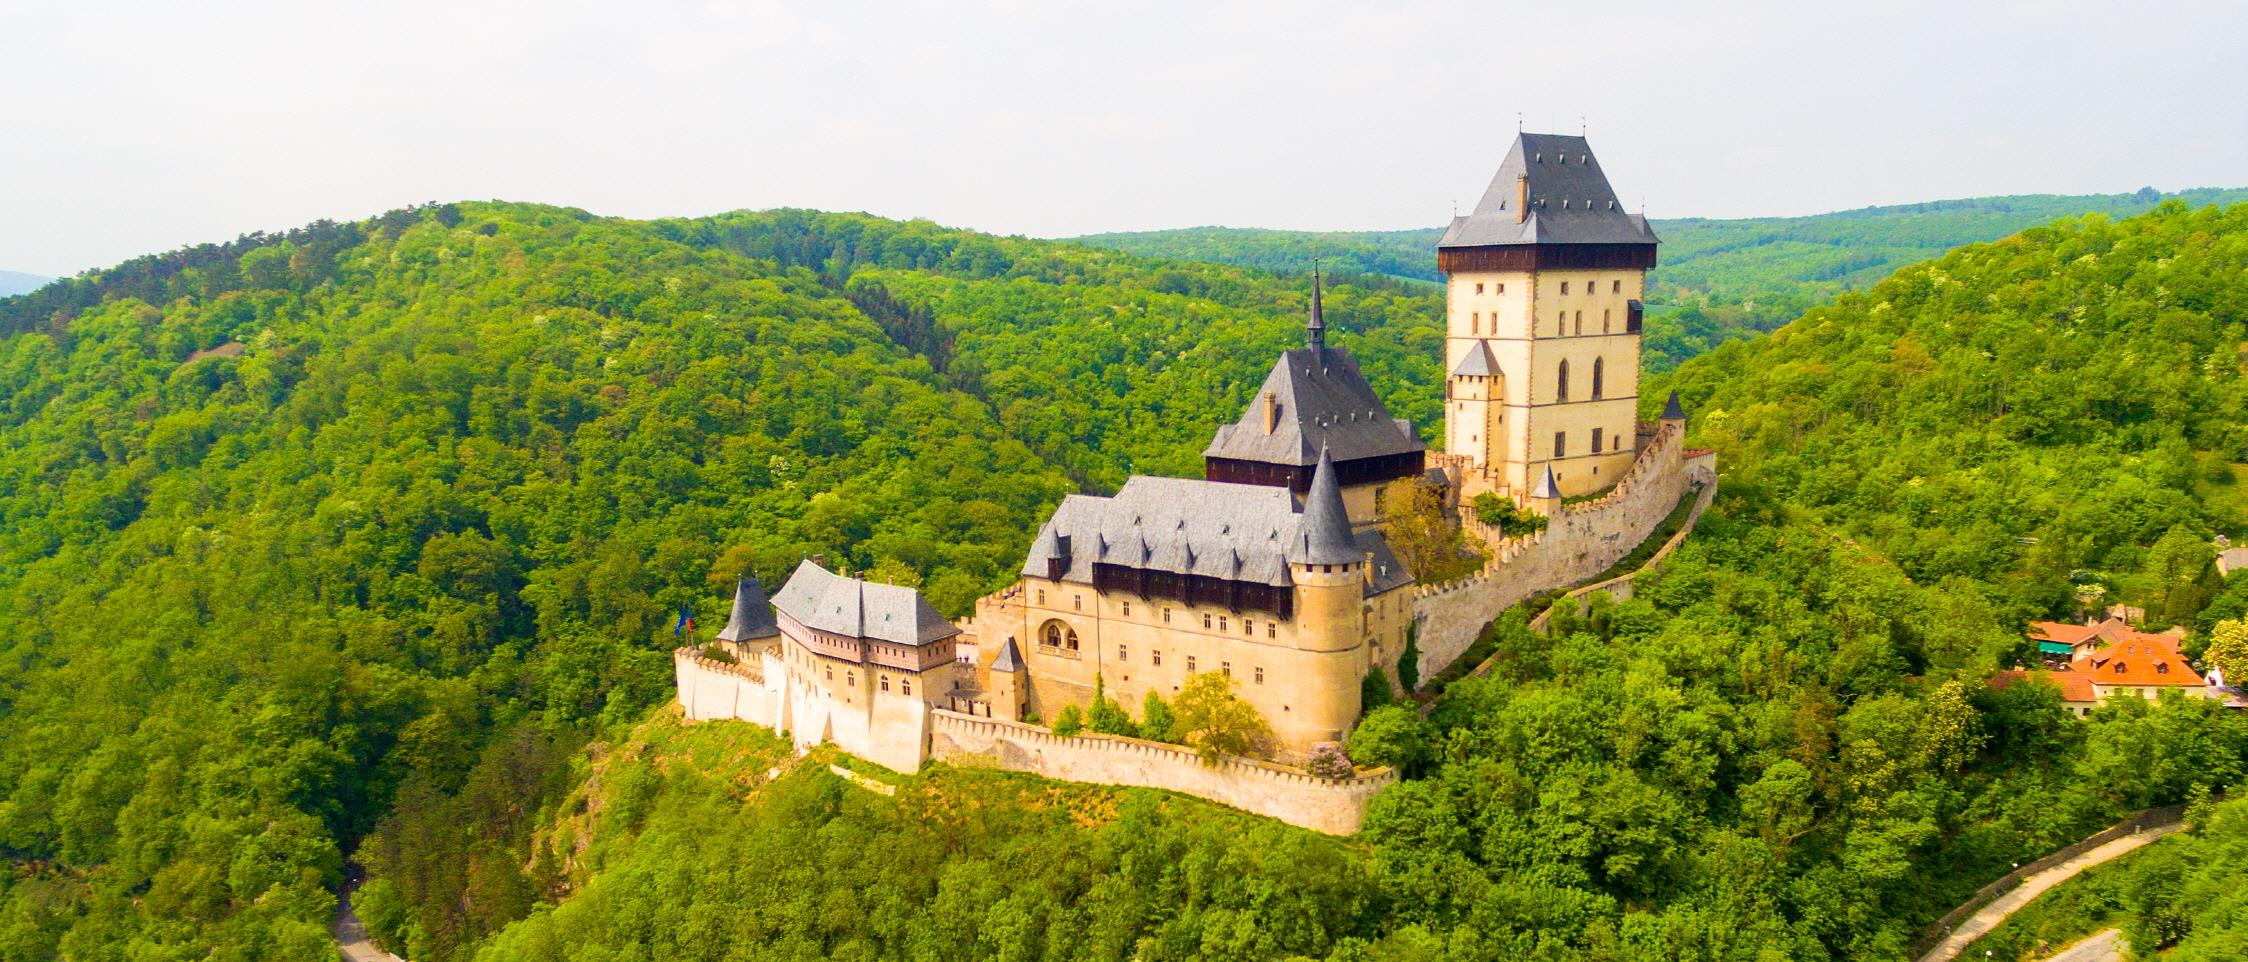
[(686, 623)]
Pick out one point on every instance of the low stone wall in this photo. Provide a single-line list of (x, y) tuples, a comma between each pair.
[(1334, 806), (1583, 540), (709, 689)]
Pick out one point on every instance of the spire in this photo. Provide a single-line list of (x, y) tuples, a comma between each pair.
[(1323, 535), (753, 617), (1548, 487), (1671, 409), (1315, 331)]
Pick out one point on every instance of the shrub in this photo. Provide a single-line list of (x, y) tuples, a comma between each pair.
[(1329, 761), (1392, 735), (1156, 720), (1214, 721), (1069, 721)]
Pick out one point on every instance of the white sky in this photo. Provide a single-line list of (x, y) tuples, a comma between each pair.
[(133, 127)]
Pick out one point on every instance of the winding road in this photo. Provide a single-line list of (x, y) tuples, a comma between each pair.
[(1983, 921), (351, 936)]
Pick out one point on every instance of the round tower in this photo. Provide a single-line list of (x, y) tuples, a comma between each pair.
[(1328, 570)]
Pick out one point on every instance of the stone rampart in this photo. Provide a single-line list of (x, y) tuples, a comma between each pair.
[(1622, 586), (1579, 542), (1331, 805), (709, 688)]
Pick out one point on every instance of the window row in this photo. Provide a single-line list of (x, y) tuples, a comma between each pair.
[(1599, 379)]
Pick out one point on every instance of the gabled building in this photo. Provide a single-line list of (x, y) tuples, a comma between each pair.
[(2108, 659), (1316, 402)]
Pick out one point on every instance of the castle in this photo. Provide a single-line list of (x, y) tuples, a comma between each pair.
[(1273, 568)]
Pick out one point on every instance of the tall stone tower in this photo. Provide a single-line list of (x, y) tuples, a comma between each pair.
[(1543, 288)]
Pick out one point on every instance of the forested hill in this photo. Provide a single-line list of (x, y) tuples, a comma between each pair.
[(376, 532), (304, 521), (1719, 279)]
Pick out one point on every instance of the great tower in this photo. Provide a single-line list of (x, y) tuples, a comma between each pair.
[(1544, 282)]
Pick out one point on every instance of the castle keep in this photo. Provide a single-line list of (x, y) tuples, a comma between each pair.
[(1273, 569)]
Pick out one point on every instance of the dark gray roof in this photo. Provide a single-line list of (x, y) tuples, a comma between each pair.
[(819, 598), (1323, 537), (1180, 525), (1548, 486), (1570, 200), (1010, 657), (1477, 363), (753, 616), (1389, 574), (1671, 409), (1324, 402)]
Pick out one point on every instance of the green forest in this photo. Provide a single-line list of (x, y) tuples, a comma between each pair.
[(1720, 279), (367, 538)]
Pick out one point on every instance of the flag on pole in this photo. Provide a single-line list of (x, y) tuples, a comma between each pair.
[(686, 625)]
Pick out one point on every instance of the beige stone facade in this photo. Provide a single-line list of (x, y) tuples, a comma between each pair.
[(1566, 392)]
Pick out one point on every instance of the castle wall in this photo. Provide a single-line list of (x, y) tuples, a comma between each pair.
[(1581, 541), (1334, 806), (714, 689)]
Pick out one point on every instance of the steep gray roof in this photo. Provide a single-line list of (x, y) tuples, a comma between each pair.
[(1671, 409), (1570, 200), (1323, 536), (753, 616), (1179, 525), (1548, 486), (819, 598), (1010, 657), (1477, 363), (1389, 573), (1324, 402)]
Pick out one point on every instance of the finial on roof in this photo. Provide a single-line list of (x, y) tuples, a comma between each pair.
[(1672, 411), (1315, 330)]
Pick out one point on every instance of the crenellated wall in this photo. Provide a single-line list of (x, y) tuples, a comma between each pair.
[(1579, 542), (1331, 805)]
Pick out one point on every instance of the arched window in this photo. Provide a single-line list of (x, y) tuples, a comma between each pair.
[(1561, 393), (1058, 635), (1598, 365)]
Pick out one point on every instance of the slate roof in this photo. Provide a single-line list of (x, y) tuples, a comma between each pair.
[(1323, 535), (1010, 657), (753, 615), (1477, 363), (1570, 200), (1672, 410), (819, 598), (1324, 402), (1548, 486)]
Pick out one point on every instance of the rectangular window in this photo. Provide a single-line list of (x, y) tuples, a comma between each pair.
[(1120, 653), (1502, 287), (1190, 664), (1248, 626), (1381, 499), (1155, 657), (885, 683), (908, 683), (1616, 287), (1221, 623), (1205, 619), (1077, 602), (1272, 630), (1041, 597), (1225, 668), (1166, 616), (1127, 609), (1479, 287), (1596, 440), (1560, 444), (1260, 674)]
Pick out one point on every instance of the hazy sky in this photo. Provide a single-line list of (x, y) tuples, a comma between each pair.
[(133, 127)]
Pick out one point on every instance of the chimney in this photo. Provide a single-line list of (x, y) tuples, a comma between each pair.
[(1521, 197), (1272, 411)]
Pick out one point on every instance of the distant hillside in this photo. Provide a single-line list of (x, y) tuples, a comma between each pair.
[(17, 282), (1719, 279)]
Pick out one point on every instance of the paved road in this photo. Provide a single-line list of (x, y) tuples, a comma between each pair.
[(351, 937), (2033, 886), (2105, 945)]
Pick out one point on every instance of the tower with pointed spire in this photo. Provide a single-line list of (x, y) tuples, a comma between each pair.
[(1544, 282)]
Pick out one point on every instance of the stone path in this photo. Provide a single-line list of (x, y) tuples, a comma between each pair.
[(2005, 905), (2105, 945), (351, 936)]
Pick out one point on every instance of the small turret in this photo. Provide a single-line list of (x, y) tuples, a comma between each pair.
[(1315, 330), (752, 619), (1545, 499), (1008, 697), (1672, 411)]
